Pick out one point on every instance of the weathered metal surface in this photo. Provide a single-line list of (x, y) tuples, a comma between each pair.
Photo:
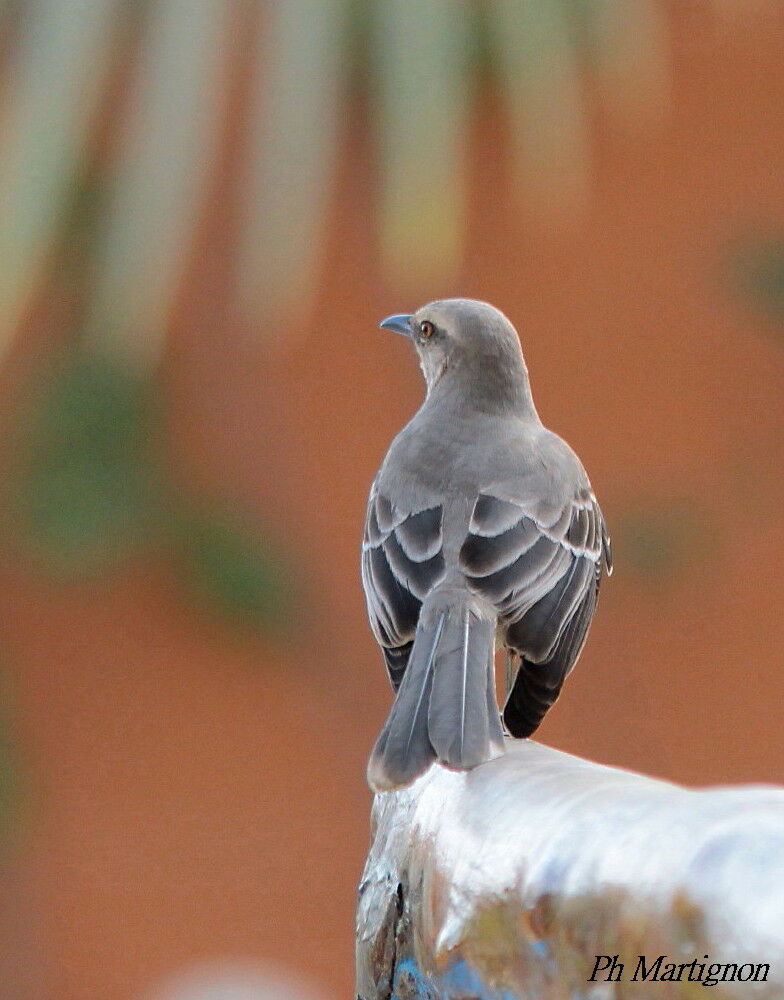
[(508, 882)]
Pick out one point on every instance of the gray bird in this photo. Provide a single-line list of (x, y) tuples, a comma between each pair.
[(481, 526)]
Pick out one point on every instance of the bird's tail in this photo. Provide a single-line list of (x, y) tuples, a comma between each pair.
[(445, 708)]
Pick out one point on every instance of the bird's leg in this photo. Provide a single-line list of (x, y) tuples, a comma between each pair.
[(512, 666)]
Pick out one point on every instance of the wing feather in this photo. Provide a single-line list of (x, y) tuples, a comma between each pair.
[(402, 560), (420, 535), (540, 566), (483, 555)]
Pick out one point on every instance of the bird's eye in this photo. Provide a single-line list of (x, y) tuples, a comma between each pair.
[(426, 328)]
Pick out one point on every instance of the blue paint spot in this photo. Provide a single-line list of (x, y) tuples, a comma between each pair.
[(541, 948), (461, 980), (410, 982)]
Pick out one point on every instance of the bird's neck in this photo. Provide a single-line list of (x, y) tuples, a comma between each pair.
[(485, 385)]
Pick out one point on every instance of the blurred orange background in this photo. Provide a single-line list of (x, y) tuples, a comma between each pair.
[(189, 789)]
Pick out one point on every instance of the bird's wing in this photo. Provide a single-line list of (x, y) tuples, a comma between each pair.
[(540, 564), (519, 548), (402, 560)]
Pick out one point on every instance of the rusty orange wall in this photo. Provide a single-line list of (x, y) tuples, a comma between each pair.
[(195, 794)]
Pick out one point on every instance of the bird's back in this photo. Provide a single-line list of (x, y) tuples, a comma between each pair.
[(438, 457)]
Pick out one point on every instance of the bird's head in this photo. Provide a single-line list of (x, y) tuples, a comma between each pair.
[(470, 345)]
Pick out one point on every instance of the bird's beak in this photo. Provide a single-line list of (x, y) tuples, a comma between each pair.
[(400, 323)]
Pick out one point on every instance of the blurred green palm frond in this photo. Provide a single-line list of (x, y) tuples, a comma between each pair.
[(421, 64), (661, 537), (157, 185), (116, 118), (92, 488), (756, 267), (58, 68), (420, 84), (295, 125)]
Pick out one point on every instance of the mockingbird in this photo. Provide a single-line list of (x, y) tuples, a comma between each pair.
[(481, 526)]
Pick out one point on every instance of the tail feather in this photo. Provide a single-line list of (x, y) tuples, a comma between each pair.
[(445, 708), (403, 751), (458, 722)]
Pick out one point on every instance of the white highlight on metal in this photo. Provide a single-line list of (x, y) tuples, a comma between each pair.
[(530, 865)]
